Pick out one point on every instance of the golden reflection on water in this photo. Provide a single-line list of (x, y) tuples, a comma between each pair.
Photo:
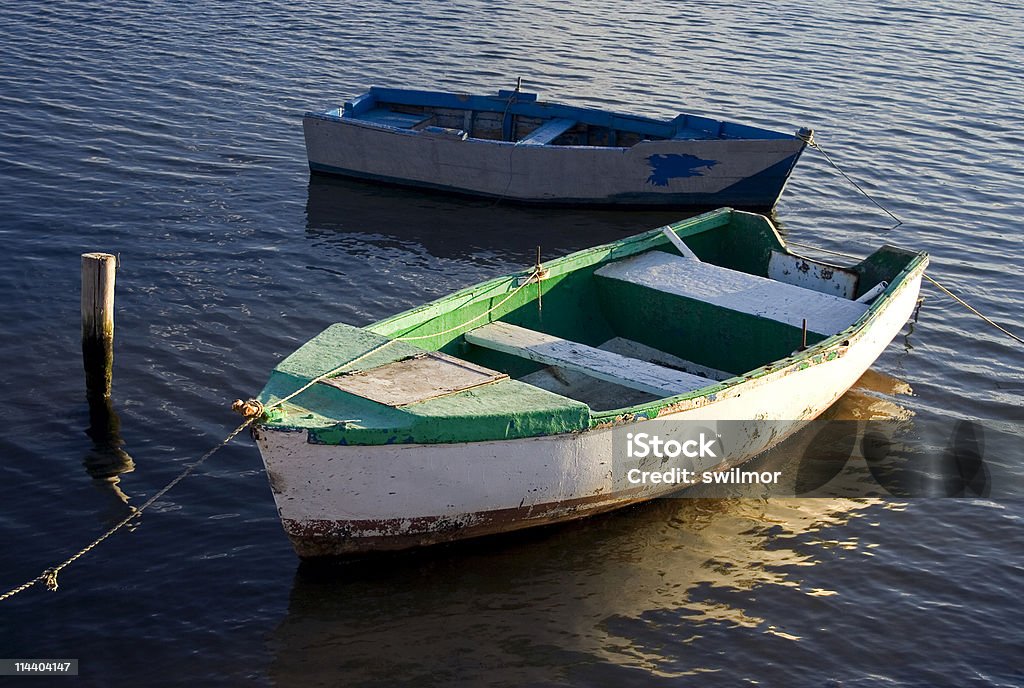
[(707, 556), (636, 589), (873, 398), (528, 605)]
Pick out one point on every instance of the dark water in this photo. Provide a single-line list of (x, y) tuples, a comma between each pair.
[(170, 134)]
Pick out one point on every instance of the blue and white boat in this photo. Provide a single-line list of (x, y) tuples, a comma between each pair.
[(513, 146)]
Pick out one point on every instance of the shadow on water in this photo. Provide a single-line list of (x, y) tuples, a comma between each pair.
[(457, 227)]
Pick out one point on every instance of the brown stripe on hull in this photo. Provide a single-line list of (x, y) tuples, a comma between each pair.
[(333, 538), (319, 538)]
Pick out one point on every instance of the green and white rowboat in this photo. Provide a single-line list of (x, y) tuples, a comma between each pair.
[(504, 405)]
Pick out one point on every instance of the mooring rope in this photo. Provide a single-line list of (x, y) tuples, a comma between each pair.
[(817, 146), (536, 274), (252, 410), (511, 151), (934, 281), (974, 310), (49, 576)]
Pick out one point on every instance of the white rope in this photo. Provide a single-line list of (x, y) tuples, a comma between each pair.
[(816, 146), (934, 281)]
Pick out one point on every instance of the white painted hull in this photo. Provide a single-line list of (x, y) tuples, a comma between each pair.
[(739, 172), (336, 500)]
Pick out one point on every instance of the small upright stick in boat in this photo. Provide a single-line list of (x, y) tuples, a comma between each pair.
[(540, 304), (678, 243)]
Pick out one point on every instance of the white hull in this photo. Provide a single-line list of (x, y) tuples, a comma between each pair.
[(346, 499), (740, 172)]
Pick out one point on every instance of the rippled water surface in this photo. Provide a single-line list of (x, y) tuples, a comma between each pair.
[(170, 134)]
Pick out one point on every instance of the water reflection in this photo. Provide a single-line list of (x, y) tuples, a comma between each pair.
[(826, 458), (107, 460), (870, 445), (526, 610), (452, 227), (874, 397)]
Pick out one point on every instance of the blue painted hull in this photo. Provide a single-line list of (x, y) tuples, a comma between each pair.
[(751, 193), (533, 152)]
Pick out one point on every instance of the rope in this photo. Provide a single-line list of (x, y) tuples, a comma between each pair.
[(816, 146), (823, 250), (976, 312), (331, 373), (49, 576), (508, 104), (536, 274), (931, 279)]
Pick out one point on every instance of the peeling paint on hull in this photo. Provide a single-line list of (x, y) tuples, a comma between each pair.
[(332, 538)]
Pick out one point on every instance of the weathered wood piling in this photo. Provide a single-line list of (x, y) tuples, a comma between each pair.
[(98, 270), (107, 459)]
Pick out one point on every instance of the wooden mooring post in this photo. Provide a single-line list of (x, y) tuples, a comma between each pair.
[(98, 322)]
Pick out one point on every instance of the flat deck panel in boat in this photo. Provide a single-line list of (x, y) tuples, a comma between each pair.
[(401, 120), (601, 395), (503, 409), (418, 378), (548, 132), (737, 291)]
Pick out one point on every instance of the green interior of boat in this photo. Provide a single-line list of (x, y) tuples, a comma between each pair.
[(585, 344)]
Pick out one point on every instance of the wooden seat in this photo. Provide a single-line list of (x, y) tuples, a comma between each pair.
[(402, 120), (738, 291), (691, 135), (604, 365), (547, 132)]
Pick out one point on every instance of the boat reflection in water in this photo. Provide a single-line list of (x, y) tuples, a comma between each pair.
[(651, 591), (470, 231)]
